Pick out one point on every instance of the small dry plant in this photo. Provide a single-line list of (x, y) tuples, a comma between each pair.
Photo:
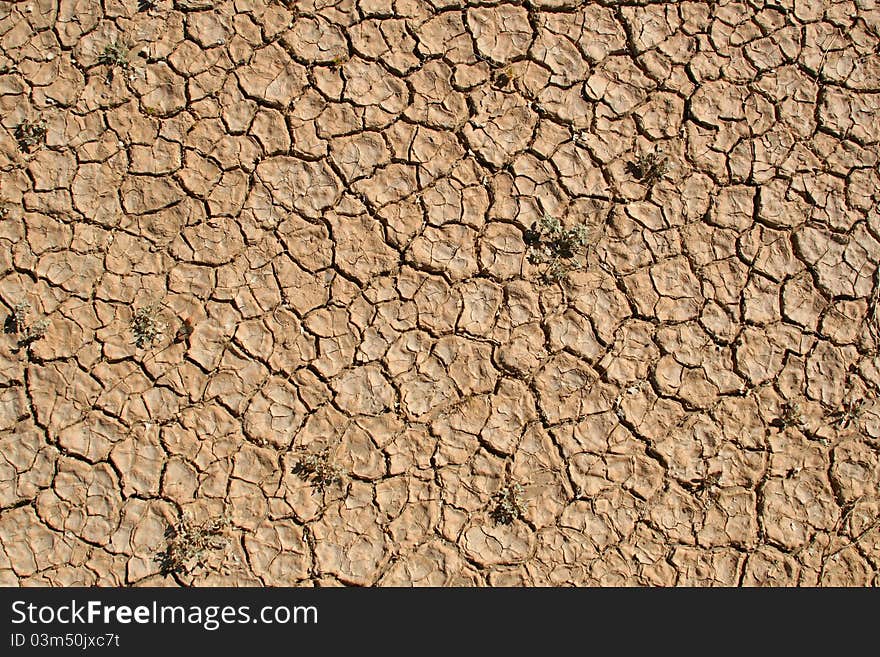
[(559, 249), (791, 416), (502, 79), (649, 168), (510, 504), (318, 468), (852, 410), (30, 134), (115, 55), (17, 323), (147, 326), (188, 544)]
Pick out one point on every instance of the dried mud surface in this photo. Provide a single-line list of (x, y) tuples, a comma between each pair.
[(280, 264)]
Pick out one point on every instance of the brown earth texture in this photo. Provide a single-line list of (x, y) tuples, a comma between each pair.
[(435, 292)]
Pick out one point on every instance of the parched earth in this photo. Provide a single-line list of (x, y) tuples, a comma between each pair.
[(427, 292)]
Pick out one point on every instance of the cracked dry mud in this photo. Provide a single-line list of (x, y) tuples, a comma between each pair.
[(277, 261)]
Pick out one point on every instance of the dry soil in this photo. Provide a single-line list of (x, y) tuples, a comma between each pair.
[(292, 279)]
